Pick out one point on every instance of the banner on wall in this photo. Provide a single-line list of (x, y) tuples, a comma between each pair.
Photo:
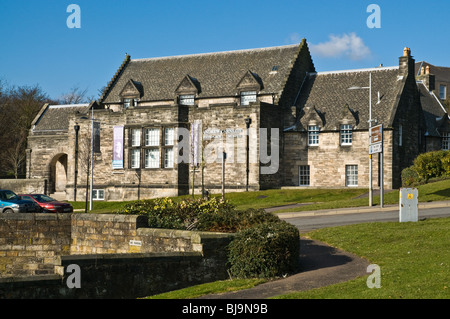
[(117, 161)]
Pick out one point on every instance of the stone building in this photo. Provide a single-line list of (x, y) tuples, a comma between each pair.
[(328, 142), (163, 124)]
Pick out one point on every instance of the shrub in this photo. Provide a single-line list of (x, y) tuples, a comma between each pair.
[(265, 250), (264, 246), (446, 164), (410, 177), (428, 165)]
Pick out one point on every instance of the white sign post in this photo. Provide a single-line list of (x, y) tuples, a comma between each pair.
[(376, 146)]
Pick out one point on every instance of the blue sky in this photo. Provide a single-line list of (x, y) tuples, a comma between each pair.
[(37, 47)]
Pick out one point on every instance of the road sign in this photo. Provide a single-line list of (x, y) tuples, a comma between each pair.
[(376, 148), (376, 139), (376, 134)]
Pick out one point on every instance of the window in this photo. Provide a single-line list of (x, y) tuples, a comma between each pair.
[(346, 134), (98, 194), (135, 158), (187, 99), (169, 136), (136, 137), (351, 175), (303, 172), (126, 103), (400, 135), (168, 157), (313, 135), (152, 149), (247, 97), (446, 141), (152, 137), (152, 158), (443, 92)]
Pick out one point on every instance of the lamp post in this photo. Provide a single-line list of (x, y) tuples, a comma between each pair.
[(248, 121), (77, 129), (370, 126), (92, 157)]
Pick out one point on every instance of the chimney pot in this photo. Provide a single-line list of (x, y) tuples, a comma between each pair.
[(406, 52)]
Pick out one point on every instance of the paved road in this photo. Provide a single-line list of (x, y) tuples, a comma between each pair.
[(319, 219)]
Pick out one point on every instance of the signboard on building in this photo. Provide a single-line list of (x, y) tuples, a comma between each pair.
[(117, 161), (376, 139)]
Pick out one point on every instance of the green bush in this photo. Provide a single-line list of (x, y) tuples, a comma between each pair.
[(264, 246), (446, 164), (265, 250), (428, 165), (410, 177)]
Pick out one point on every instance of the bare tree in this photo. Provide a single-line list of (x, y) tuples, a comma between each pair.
[(75, 96), (18, 108)]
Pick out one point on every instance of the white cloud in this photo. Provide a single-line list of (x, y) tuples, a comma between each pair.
[(346, 45)]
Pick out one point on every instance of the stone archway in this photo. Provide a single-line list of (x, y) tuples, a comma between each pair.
[(58, 174)]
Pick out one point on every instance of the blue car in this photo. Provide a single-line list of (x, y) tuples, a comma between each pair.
[(11, 203)]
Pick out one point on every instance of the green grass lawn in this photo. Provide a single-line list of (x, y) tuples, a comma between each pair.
[(209, 288), (314, 198), (414, 260)]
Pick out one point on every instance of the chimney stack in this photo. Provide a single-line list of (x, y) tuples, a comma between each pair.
[(406, 63), (427, 79)]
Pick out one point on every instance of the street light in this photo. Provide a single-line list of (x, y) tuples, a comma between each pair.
[(370, 126), (248, 121), (91, 164), (77, 129)]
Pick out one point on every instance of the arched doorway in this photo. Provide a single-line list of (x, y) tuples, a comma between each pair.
[(58, 174)]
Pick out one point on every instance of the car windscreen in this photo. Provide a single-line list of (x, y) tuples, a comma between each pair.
[(43, 198), (9, 195)]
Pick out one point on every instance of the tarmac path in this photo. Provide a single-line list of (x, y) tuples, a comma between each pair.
[(321, 265)]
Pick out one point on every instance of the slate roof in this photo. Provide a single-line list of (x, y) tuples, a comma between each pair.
[(217, 74), (329, 94), (56, 117), (433, 110), (441, 73)]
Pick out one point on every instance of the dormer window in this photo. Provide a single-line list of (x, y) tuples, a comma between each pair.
[(248, 87), (187, 99), (247, 97), (131, 93)]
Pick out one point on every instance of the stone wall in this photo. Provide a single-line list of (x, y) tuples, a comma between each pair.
[(330, 158), (118, 257), (30, 244), (25, 186)]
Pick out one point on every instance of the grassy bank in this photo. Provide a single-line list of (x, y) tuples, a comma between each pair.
[(414, 260)]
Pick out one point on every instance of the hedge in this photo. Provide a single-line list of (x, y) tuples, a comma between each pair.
[(265, 250), (263, 245), (427, 165)]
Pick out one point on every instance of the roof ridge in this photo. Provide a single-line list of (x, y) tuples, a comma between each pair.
[(217, 53), (383, 68)]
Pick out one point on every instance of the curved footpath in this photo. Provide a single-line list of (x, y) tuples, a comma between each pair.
[(321, 264)]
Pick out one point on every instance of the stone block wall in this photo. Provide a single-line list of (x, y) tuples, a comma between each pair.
[(25, 186), (30, 244), (330, 158), (117, 255)]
